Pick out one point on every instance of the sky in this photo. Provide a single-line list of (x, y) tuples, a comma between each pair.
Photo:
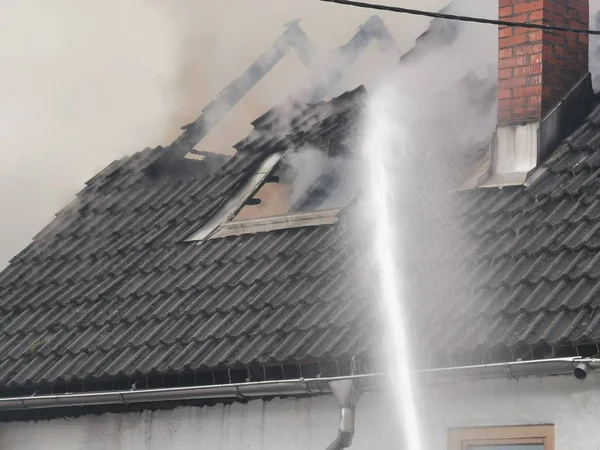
[(84, 83)]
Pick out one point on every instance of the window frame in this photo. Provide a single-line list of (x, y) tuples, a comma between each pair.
[(461, 438), (273, 223), (236, 202), (222, 224)]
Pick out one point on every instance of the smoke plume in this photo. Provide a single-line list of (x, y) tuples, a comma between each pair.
[(85, 83), (439, 109)]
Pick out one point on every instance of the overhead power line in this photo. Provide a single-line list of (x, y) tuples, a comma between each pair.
[(437, 15)]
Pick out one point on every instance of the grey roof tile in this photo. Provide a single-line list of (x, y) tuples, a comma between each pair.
[(192, 356), (111, 288), (534, 256), (272, 294), (35, 368)]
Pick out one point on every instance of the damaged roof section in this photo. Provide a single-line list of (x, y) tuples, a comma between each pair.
[(111, 290), (290, 189), (292, 38), (321, 82)]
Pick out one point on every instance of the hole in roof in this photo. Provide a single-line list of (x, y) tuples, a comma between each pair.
[(196, 165), (303, 181), (289, 185)]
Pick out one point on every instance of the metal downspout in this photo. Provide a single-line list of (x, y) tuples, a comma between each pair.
[(346, 393)]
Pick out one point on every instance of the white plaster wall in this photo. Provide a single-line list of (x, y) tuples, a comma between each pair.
[(294, 424), (571, 405)]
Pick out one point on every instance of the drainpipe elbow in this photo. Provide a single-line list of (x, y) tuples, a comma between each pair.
[(346, 393), (346, 429)]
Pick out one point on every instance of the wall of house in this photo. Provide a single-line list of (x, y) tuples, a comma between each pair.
[(301, 424), (571, 405)]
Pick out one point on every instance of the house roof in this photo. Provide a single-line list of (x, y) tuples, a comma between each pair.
[(533, 257), (110, 289)]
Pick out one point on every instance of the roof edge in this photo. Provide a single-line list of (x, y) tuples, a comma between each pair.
[(577, 366)]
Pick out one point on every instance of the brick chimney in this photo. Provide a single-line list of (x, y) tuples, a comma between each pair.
[(537, 67), (542, 79)]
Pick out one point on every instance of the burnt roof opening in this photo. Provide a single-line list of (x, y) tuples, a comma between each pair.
[(197, 166), (304, 180)]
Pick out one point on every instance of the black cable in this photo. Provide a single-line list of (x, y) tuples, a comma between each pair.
[(437, 15)]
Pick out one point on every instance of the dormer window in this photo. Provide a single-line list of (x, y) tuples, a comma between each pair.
[(290, 189)]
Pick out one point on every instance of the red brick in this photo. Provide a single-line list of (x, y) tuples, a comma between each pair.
[(536, 15), (512, 103), (556, 39), (519, 18), (528, 91), (532, 69), (528, 49), (519, 8), (583, 17), (530, 112), (535, 36), (559, 9), (513, 41), (512, 82), (535, 100), (561, 51), (526, 113), (504, 94), (505, 53), (505, 11), (552, 18), (548, 91), (505, 32), (513, 62), (535, 79), (521, 30), (536, 59), (504, 73)]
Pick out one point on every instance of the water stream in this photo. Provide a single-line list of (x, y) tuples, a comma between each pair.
[(382, 147)]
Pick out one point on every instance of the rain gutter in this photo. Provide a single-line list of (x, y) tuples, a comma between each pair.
[(576, 366), (346, 390), (579, 367), (241, 391)]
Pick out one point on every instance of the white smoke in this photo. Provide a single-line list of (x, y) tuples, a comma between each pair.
[(441, 101), (81, 85), (85, 83)]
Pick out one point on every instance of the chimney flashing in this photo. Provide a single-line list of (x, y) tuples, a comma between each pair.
[(514, 149), (504, 180), (517, 152), (565, 117), (544, 87)]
